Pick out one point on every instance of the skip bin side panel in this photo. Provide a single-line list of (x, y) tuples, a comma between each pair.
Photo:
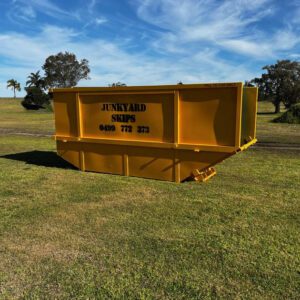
[(151, 163), (249, 111), (65, 114), (138, 117), (103, 158), (208, 116)]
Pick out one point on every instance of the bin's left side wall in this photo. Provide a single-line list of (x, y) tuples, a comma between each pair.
[(66, 126)]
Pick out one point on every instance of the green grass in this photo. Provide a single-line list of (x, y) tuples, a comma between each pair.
[(15, 118), (68, 234), (267, 131)]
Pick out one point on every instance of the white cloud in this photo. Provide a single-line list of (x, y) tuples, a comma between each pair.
[(46, 7), (100, 21), (109, 62), (247, 47), (188, 25), (26, 13), (92, 16), (202, 19), (91, 6), (280, 42), (285, 40), (95, 22), (295, 56)]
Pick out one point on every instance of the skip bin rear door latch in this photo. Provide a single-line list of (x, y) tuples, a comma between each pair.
[(203, 176)]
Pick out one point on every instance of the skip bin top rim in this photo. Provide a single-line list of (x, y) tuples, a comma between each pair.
[(149, 87)]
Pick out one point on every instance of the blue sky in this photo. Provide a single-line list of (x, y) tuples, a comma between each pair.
[(148, 42)]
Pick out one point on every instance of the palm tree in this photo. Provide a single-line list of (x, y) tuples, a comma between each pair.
[(14, 85), (35, 79)]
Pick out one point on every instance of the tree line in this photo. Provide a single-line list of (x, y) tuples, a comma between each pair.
[(280, 82), (62, 70)]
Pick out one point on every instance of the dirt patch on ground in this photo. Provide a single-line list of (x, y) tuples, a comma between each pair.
[(13, 131)]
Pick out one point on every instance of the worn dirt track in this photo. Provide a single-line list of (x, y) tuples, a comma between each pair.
[(10, 131), (264, 145)]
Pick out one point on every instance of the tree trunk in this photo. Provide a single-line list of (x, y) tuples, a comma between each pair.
[(14, 93), (277, 107)]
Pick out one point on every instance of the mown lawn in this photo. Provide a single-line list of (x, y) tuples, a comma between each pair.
[(68, 234), (269, 132), (14, 118)]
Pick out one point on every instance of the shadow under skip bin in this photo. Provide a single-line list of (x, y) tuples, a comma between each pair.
[(40, 158)]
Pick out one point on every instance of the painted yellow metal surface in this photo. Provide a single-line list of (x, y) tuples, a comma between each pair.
[(173, 132)]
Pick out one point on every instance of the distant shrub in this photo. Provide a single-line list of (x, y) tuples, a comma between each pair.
[(35, 98), (49, 107), (291, 116)]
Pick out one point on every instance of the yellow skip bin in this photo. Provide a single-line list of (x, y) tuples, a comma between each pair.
[(174, 132)]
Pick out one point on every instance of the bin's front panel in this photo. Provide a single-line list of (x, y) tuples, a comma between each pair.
[(208, 116), (103, 158), (65, 114), (139, 117), (151, 163)]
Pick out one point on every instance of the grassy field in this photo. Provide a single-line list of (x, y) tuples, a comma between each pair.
[(14, 118), (67, 234), (274, 132)]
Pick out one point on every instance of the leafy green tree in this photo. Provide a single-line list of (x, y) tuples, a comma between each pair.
[(14, 85), (280, 83), (35, 79), (248, 84), (64, 70), (35, 98)]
